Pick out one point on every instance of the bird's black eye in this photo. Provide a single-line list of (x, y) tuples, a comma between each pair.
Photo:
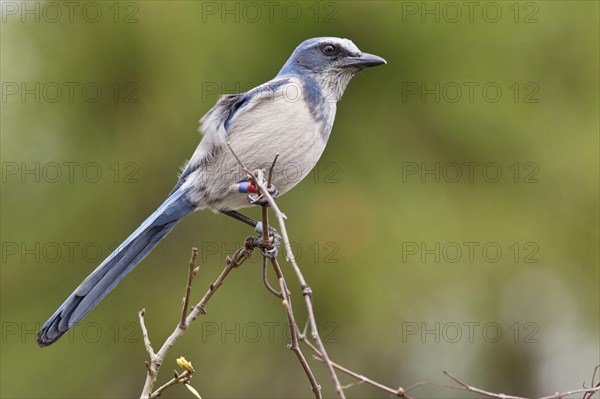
[(329, 49)]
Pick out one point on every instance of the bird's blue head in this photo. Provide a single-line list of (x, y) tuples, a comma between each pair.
[(323, 54), (329, 61)]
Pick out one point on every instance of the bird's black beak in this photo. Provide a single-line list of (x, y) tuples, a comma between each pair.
[(364, 60)]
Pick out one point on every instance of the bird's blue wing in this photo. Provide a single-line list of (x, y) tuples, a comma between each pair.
[(216, 122)]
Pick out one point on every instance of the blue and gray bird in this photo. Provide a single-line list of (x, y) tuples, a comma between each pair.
[(290, 115)]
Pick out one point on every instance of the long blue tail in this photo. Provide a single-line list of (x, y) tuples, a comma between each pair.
[(106, 276)]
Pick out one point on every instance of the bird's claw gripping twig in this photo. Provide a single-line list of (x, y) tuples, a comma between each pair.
[(258, 199), (270, 249)]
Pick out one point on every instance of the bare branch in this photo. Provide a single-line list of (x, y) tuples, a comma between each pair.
[(178, 379), (559, 395), (400, 392), (158, 358), (271, 169), (591, 391), (266, 281), (262, 186), (306, 291), (297, 336), (238, 160), (147, 342), (188, 289), (287, 304), (588, 395)]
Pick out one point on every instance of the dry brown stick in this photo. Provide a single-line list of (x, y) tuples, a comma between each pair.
[(466, 387), (258, 178), (403, 392), (287, 304), (178, 379), (285, 294), (306, 291), (590, 391), (238, 258), (265, 210), (588, 395), (266, 281), (559, 395), (188, 289), (400, 392), (157, 359), (272, 169), (147, 342)]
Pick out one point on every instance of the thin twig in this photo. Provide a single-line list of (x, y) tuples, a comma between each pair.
[(157, 358), (188, 288), (266, 281), (265, 228), (284, 292), (559, 395), (591, 391), (265, 210), (287, 304), (306, 291), (238, 160), (588, 395), (147, 342), (258, 179), (179, 379), (271, 169), (467, 387), (400, 392)]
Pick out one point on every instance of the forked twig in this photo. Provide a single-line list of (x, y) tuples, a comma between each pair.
[(558, 395), (306, 290), (287, 304), (188, 289), (157, 359), (297, 336)]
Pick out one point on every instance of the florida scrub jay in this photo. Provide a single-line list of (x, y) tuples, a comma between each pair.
[(290, 115)]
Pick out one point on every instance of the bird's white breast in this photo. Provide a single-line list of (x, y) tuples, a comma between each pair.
[(275, 122)]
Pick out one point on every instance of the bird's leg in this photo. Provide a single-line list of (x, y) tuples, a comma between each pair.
[(274, 237), (242, 218)]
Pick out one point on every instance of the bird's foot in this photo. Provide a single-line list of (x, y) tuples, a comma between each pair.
[(268, 249), (261, 200)]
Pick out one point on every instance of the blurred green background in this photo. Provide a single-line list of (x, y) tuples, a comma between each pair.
[(452, 222)]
